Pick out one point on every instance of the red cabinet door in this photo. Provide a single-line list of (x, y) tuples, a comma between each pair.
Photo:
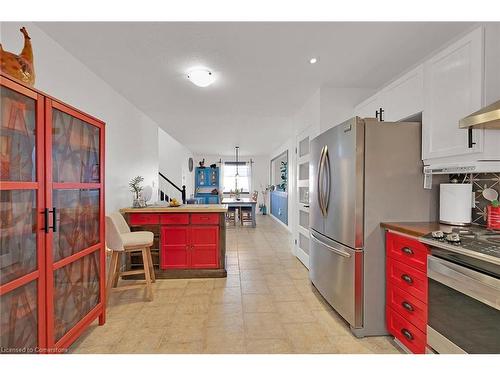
[(204, 246), (175, 247)]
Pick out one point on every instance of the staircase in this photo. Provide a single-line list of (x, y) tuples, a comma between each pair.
[(167, 190)]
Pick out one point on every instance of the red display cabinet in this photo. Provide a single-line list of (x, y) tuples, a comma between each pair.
[(52, 253)]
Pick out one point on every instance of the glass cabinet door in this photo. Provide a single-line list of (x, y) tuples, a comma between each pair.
[(75, 193), (22, 284)]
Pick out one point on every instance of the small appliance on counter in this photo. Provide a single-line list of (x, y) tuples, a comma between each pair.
[(455, 204)]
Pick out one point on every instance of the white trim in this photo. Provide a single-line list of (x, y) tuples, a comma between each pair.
[(302, 256), (280, 222)]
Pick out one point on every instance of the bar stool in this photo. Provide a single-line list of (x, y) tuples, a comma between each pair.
[(119, 240)]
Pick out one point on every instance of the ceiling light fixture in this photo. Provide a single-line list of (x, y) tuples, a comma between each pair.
[(313, 60), (201, 77)]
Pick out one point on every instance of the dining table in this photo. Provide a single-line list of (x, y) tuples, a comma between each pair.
[(242, 202)]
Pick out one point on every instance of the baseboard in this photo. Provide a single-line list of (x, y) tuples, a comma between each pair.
[(280, 222)]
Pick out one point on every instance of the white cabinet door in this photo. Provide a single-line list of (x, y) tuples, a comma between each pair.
[(369, 107), (453, 82), (404, 97)]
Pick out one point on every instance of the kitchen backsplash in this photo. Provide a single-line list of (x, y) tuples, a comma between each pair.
[(480, 181)]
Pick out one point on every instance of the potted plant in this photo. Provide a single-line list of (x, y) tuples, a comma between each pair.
[(136, 188), (493, 215)]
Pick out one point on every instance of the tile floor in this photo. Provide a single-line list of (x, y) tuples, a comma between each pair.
[(265, 305)]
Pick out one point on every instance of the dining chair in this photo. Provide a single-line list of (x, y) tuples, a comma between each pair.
[(120, 240), (246, 212)]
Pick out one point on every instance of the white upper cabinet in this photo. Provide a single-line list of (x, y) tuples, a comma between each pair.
[(404, 97), (399, 100), (453, 87)]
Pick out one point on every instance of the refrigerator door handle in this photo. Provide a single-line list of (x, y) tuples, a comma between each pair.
[(328, 181), (319, 180), (345, 254)]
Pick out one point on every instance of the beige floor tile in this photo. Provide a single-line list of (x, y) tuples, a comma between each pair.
[(229, 345), (154, 316), (228, 282), (258, 303), (333, 324), (269, 346), (169, 347), (263, 326), (225, 296), (171, 283), (254, 287), (309, 338), (285, 293), (294, 312)]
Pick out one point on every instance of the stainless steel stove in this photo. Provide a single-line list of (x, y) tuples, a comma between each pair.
[(474, 241), (463, 273)]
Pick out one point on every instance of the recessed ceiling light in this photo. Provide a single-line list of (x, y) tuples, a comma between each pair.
[(313, 60), (201, 77)]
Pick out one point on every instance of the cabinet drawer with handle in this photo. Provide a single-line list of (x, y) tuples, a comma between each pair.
[(204, 218), (143, 219), (408, 306), (407, 250), (407, 333), (174, 219), (407, 278)]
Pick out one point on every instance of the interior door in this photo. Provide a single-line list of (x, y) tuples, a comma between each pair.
[(75, 245), (302, 203), (22, 247)]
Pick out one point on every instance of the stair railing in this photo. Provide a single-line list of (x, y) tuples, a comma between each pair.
[(182, 190)]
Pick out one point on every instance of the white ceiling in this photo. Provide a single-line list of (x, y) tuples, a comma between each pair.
[(262, 70)]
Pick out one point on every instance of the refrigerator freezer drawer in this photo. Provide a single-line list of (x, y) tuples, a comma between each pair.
[(337, 272)]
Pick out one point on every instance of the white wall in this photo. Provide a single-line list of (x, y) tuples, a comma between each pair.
[(173, 163), (260, 169), (337, 104), (131, 136)]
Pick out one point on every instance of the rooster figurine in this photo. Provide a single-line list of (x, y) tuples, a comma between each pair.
[(19, 66)]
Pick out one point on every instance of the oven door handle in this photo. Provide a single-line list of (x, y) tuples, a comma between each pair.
[(477, 285)]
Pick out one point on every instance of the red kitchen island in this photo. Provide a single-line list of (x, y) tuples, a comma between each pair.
[(189, 240)]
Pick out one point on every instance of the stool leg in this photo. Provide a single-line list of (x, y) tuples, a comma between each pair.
[(116, 271), (147, 274), (151, 267), (111, 276)]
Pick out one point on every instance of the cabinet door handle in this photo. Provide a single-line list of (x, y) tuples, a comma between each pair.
[(407, 334), (407, 278), (54, 219), (407, 306), (46, 213), (407, 251)]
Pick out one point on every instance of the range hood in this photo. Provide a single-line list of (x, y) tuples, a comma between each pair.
[(486, 118)]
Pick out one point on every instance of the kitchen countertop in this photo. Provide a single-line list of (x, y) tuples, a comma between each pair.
[(416, 229), (187, 208)]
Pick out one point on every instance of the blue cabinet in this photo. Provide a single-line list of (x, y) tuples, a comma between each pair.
[(279, 206), (207, 180)]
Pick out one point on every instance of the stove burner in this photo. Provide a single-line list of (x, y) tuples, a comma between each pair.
[(453, 238), (473, 238), (439, 235)]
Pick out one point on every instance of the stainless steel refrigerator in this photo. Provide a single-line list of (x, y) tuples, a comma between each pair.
[(363, 172)]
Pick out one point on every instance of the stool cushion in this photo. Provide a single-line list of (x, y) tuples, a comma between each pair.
[(134, 239)]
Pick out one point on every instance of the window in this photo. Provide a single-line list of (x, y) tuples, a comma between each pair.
[(231, 181)]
